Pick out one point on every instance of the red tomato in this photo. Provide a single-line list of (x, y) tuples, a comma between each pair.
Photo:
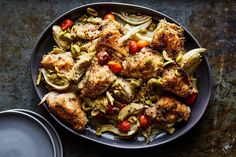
[(109, 16), (66, 24), (141, 44), (103, 57), (114, 66), (124, 126), (144, 120), (191, 99), (133, 47), (121, 106), (100, 116), (111, 109)]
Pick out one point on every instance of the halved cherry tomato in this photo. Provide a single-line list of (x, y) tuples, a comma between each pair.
[(114, 66), (141, 44), (121, 106), (66, 24), (124, 126), (144, 120), (133, 47), (100, 116), (103, 57), (191, 99), (109, 16), (111, 109)]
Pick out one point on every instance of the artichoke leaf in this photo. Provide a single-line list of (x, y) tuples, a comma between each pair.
[(57, 34)]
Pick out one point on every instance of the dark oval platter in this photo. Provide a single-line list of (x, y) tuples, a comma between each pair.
[(45, 44)]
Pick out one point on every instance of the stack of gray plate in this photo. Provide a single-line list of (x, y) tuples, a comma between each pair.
[(24, 133)]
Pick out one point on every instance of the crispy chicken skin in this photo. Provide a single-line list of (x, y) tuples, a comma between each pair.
[(88, 31), (62, 61), (67, 107), (176, 81), (96, 80), (110, 34), (171, 110), (169, 37), (145, 64)]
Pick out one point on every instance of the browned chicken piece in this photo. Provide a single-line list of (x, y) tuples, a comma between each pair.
[(87, 31), (171, 110), (169, 37), (62, 61), (67, 107), (96, 80), (110, 34), (177, 81), (145, 64)]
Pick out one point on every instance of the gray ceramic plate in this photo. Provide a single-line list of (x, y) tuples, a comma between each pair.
[(51, 129), (46, 42), (24, 136)]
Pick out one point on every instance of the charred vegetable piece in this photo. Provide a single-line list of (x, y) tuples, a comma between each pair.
[(134, 126), (171, 110), (175, 80), (146, 64), (80, 67), (169, 37), (67, 107), (130, 109), (192, 59), (93, 83)]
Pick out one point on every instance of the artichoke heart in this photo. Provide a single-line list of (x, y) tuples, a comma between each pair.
[(111, 128), (131, 109), (123, 90), (80, 67), (64, 83), (192, 59)]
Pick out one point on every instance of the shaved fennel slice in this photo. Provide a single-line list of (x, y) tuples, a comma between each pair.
[(132, 18), (134, 30)]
